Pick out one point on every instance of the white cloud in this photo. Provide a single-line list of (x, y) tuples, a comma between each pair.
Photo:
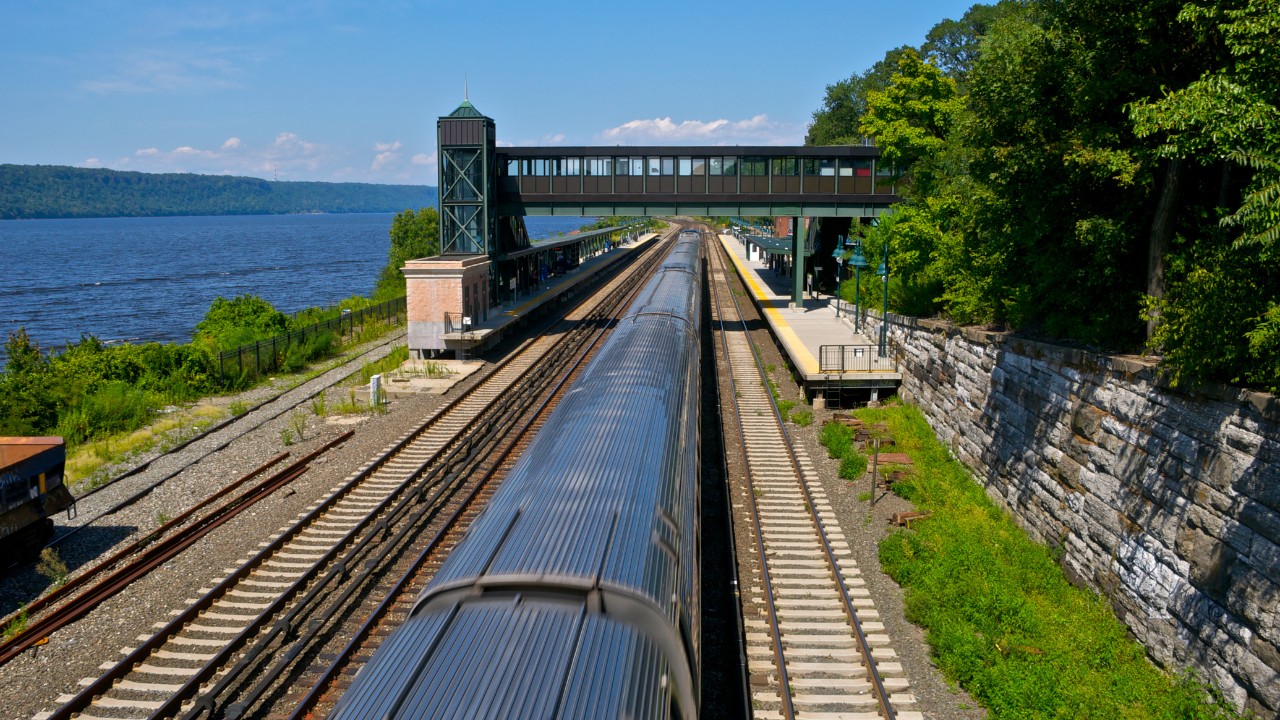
[(387, 157), (285, 156), (758, 130), (553, 139), (188, 150)]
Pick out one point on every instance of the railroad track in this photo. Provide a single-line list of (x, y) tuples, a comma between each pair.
[(324, 683), (815, 645), (223, 652)]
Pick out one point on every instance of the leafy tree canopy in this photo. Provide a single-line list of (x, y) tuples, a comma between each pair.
[(414, 234)]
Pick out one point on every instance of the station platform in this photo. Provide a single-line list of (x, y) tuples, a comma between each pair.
[(486, 333), (825, 350)]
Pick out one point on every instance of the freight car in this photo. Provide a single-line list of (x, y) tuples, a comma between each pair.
[(31, 489), (575, 593)]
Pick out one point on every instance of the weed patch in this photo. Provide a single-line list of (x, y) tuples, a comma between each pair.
[(1000, 616)]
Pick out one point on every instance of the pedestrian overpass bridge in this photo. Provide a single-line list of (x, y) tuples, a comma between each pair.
[(486, 191)]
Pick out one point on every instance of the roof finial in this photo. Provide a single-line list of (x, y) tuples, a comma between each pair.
[(466, 90)]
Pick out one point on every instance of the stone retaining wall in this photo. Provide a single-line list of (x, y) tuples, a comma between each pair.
[(1167, 503)]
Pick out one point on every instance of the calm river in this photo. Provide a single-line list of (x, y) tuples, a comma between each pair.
[(143, 279)]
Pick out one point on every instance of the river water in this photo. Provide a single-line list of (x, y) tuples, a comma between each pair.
[(145, 279)]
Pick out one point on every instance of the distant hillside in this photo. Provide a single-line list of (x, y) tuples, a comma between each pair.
[(56, 191)]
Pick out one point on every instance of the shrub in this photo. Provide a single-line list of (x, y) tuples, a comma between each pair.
[(313, 347), (837, 438), (803, 418), (784, 408), (229, 324), (853, 464)]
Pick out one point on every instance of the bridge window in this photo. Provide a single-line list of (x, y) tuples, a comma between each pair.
[(513, 168), (535, 167), (724, 166), (662, 166), (686, 166), (786, 166), (566, 166), (755, 167), (856, 168), (846, 170), (884, 177), (699, 166), (629, 166), (599, 166)]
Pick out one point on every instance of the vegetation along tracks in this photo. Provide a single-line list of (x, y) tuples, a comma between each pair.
[(815, 647), (133, 485), (289, 591)]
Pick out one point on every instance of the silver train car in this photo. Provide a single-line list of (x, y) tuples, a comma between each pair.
[(575, 592)]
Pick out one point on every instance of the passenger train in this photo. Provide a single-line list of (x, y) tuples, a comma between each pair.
[(575, 593)]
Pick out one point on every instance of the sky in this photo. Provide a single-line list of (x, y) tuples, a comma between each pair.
[(332, 90)]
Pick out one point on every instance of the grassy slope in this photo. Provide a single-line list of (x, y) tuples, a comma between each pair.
[(1001, 617)]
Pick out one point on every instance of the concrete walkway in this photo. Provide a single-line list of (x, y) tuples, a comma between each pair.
[(803, 331)]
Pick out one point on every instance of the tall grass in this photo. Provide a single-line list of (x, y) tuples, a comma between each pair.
[(1000, 616)]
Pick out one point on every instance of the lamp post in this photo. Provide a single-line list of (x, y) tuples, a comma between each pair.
[(883, 271), (859, 263), (838, 254)]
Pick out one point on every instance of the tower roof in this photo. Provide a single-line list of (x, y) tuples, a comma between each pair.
[(466, 110)]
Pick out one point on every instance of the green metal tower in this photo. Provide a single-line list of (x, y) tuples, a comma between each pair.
[(468, 171)]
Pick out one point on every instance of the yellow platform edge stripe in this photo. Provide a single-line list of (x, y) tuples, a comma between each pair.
[(799, 353)]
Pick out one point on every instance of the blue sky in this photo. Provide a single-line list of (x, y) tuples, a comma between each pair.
[(349, 91)]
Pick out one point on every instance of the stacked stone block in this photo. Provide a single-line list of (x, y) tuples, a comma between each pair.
[(1165, 501)]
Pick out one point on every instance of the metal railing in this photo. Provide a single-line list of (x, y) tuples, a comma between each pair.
[(268, 355), (854, 358)]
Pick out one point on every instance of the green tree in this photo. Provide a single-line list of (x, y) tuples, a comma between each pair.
[(911, 118), (246, 318), (1218, 318), (414, 234), (26, 405), (954, 45), (845, 102)]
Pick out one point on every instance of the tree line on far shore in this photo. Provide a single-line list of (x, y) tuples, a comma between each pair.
[(54, 191)]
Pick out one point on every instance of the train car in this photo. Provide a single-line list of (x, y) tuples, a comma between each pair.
[(575, 592), (31, 488)]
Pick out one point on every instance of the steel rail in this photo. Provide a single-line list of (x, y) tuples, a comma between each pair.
[(155, 555), (784, 682), (85, 697), (510, 409), (320, 686), (143, 492), (864, 649), (61, 593), (433, 545)]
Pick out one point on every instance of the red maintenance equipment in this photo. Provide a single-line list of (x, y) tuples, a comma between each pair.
[(32, 489)]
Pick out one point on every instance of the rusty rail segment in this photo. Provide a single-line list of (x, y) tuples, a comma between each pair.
[(154, 552)]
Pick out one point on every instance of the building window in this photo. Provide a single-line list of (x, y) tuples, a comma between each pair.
[(786, 166), (755, 167), (513, 168), (686, 166), (599, 166), (699, 166)]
